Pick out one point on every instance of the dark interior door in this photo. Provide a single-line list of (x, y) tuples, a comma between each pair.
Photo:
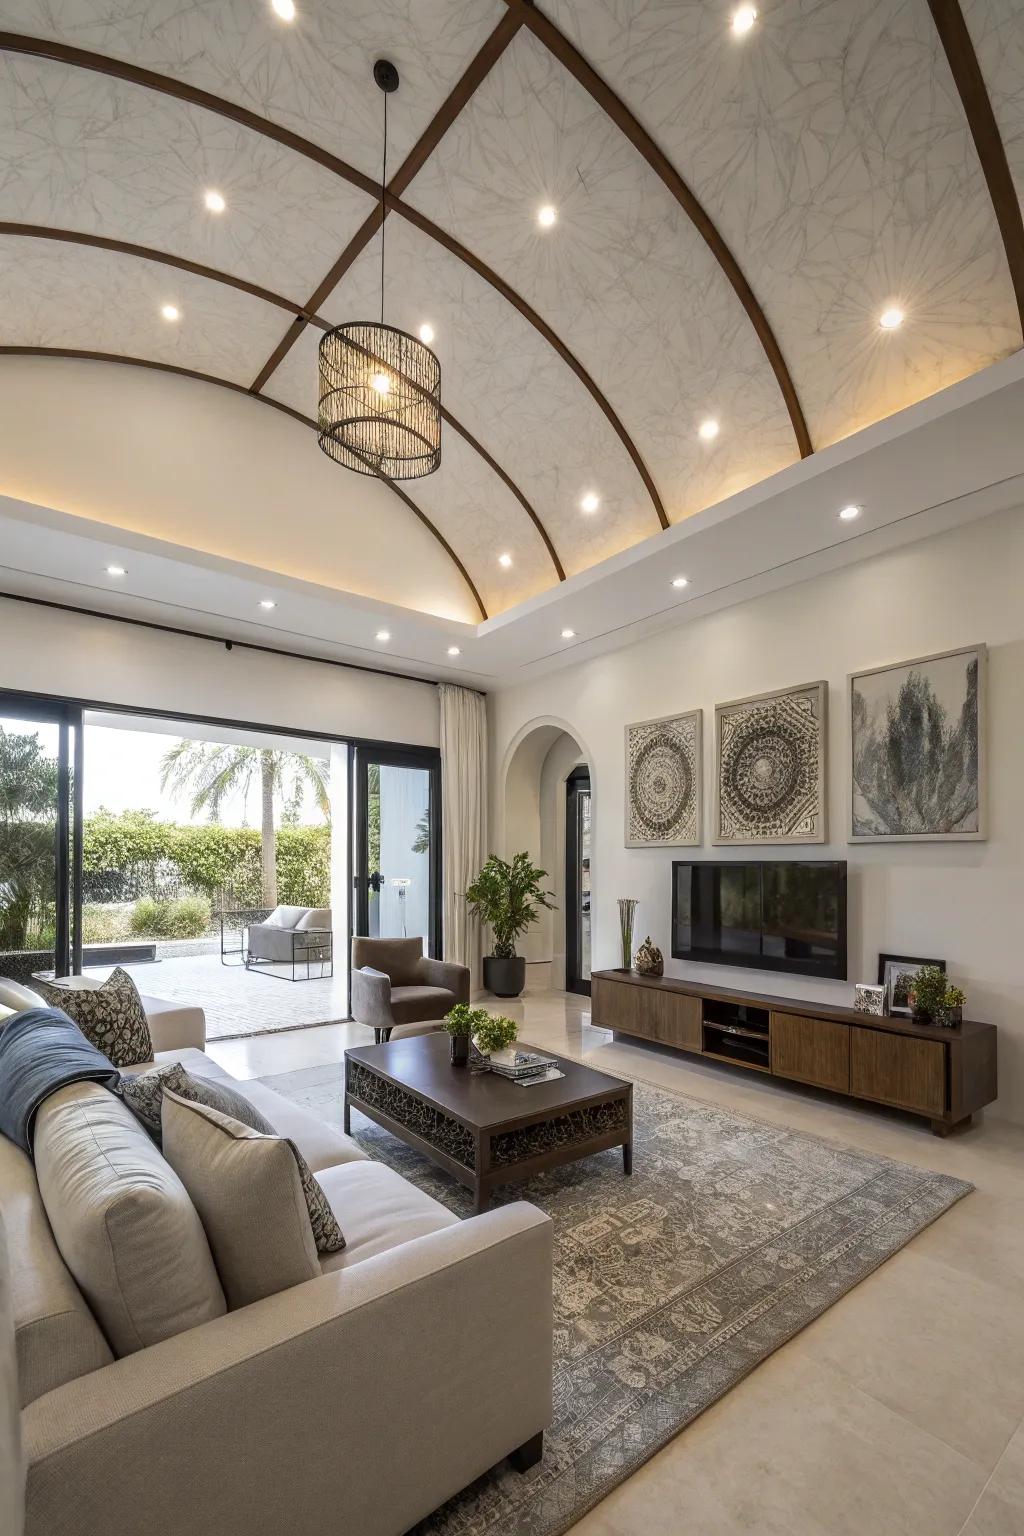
[(577, 882), (397, 866)]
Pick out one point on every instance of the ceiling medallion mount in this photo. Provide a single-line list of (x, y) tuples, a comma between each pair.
[(380, 388)]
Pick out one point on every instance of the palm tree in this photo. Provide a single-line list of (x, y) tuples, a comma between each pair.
[(210, 772)]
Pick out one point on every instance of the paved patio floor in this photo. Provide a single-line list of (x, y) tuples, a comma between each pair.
[(240, 1002)]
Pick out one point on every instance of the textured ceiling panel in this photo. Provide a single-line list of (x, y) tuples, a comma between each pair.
[(511, 390), (623, 275), (84, 152), (313, 76), (831, 149), (997, 31), (98, 301), (465, 499)]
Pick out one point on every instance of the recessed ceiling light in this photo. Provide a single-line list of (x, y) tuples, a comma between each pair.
[(453, 650), (505, 561), (708, 429), (284, 8), (214, 201), (847, 514), (546, 216), (426, 334), (743, 19), (116, 570), (891, 319), (383, 634), (590, 502), (568, 634), (171, 312), (680, 581), (267, 602)]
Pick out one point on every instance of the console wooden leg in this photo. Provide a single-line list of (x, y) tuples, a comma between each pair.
[(528, 1455), (943, 1127)]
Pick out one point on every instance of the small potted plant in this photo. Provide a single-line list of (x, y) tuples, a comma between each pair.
[(507, 897), (933, 1000), (462, 1023), (496, 1035)]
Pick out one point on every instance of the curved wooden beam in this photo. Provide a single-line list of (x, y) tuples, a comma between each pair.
[(570, 57), (214, 275), (970, 82), (241, 389), (82, 58)]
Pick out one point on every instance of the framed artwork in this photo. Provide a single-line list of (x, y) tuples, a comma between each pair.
[(770, 767), (917, 745), (895, 974), (664, 765)]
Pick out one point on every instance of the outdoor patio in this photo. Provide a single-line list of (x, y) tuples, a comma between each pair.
[(239, 1002)]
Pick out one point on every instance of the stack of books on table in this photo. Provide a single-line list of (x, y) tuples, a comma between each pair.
[(523, 1067)]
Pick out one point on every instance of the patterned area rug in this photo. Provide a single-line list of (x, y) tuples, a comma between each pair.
[(671, 1286)]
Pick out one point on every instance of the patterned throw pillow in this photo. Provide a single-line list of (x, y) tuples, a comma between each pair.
[(110, 1016), (144, 1094)]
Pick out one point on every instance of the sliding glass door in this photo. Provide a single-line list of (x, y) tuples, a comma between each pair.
[(397, 844), (40, 837)]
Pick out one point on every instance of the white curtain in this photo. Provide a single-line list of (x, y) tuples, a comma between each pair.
[(463, 817)]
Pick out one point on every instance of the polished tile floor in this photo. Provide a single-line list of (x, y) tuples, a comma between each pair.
[(900, 1412)]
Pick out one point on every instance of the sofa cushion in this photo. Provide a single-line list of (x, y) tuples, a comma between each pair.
[(122, 1219), (111, 1016), (379, 1210), (398, 958), (16, 997), (316, 917), (322, 1145), (410, 1005), (56, 1336), (247, 1190), (285, 917), (144, 1091)]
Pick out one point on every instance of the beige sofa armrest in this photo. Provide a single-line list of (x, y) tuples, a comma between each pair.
[(175, 1026), (356, 1402), (446, 973)]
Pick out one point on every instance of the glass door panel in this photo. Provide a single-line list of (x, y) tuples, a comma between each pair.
[(577, 882), (397, 845)]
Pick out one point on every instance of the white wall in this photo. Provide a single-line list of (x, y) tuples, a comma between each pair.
[(962, 902), (46, 651)]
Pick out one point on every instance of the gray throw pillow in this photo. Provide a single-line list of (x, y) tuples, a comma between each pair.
[(111, 1016), (144, 1096)]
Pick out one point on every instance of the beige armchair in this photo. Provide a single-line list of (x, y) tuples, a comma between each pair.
[(396, 987)]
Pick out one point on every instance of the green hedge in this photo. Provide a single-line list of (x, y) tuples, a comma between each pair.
[(212, 860)]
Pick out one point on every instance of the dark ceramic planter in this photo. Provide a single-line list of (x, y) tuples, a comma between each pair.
[(460, 1050), (504, 978)]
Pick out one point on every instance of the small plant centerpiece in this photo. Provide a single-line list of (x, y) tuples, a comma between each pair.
[(496, 1035), (933, 1000), (507, 897), (462, 1024)]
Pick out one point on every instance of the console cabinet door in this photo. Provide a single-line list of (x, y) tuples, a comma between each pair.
[(811, 1051), (672, 1018), (898, 1069)]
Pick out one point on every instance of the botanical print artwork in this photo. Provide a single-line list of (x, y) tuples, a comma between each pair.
[(917, 742), (663, 781), (770, 767)]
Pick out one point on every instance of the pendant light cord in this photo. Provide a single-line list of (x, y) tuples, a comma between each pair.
[(383, 205)]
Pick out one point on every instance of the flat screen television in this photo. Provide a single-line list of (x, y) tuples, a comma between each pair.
[(786, 915)]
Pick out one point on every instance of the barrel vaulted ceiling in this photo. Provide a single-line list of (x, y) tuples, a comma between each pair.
[(734, 214)]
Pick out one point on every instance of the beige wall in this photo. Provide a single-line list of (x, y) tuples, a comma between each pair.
[(964, 902)]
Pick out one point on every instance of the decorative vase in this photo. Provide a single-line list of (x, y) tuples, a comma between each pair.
[(648, 960), (504, 976), (627, 912), (460, 1050), (949, 1018)]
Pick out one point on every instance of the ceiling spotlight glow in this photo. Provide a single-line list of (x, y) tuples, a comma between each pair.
[(284, 8), (453, 650), (214, 201), (546, 216), (426, 334), (743, 19), (383, 634), (504, 561), (681, 581), (708, 429), (170, 312), (568, 634), (892, 318), (267, 602), (590, 502), (847, 514), (116, 570)]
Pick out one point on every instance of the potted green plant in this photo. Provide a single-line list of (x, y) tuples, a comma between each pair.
[(495, 1034), (462, 1023), (507, 897), (934, 1000)]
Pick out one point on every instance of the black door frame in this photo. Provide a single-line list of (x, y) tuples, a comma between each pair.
[(576, 785), (68, 845), (388, 755)]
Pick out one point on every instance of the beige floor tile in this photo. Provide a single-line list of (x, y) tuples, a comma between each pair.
[(993, 1516)]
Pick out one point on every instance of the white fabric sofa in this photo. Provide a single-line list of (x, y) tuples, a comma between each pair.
[(172, 1026), (355, 1403)]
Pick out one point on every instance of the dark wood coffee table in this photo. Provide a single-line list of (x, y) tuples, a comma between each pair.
[(479, 1127)]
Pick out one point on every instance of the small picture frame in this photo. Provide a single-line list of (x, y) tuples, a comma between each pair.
[(869, 999), (895, 973)]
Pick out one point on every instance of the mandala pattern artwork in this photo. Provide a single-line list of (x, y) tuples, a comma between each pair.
[(663, 765), (770, 764)]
